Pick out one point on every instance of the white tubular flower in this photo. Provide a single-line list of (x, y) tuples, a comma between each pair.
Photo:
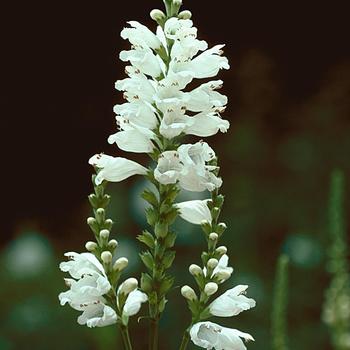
[(205, 97), (207, 124), (87, 288), (168, 168), (172, 84), (115, 169), (139, 113), (232, 302), (137, 87), (133, 302), (132, 138), (174, 120), (209, 335), (141, 36), (144, 60), (206, 65), (195, 211), (222, 271), (196, 176)]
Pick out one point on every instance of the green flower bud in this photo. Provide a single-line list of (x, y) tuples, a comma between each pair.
[(157, 15), (221, 250), (221, 228), (104, 234), (128, 286), (213, 236), (112, 244), (195, 270), (212, 263)]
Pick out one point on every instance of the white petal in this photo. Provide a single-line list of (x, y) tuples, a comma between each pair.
[(168, 168), (133, 302), (231, 303), (99, 315), (115, 169), (195, 211), (132, 141), (207, 124)]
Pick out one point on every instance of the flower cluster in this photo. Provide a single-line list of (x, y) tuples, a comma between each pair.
[(163, 103)]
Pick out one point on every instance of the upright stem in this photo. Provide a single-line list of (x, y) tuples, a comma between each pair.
[(125, 337), (185, 340), (153, 344)]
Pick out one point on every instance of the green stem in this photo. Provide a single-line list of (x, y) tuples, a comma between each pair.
[(126, 338), (185, 340), (153, 344)]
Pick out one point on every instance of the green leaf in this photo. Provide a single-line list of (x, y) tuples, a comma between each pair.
[(150, 197), (151, 216), (146, 283), (166, 284), (147, 259), (147, 239), (170, 239), (168, 259), (171, 216), (161, 229), (162, 304)]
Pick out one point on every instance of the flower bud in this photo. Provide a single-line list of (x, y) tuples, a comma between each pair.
[(104, 234), (100, 215), (108, 224), (157, 15), (128, 286), (222, 250), (188, 293), (213, 236), (210, 288), (106, 257), (221, 228), (120, 264), (195, 270), (212, 263), (91, 221), (185, 14), (91, 246), (177, 2), (223, 275), (112, 244), (206, 227)]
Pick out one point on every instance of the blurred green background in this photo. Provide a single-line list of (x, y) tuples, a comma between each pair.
[(289, 109)]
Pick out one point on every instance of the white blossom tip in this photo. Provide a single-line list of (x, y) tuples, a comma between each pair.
[(91, 221), (222, 250), (213, 236), (113, 244), (128, 286), (106, 257), (188, 293), (195, 270), (177, 2), (120, 264), (104, 234), (157, 15), (185, 14), (211, 288), (91, 246), (212, 263)]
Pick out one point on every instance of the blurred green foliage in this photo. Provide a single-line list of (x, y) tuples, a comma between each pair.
[(275, 161)]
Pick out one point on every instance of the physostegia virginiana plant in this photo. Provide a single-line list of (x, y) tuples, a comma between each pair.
[(160, 110)]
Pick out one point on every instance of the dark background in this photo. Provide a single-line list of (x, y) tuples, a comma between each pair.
[(289, 91)]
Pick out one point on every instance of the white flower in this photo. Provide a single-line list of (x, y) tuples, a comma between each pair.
[(205, 97), (209, 335), (195, 211), (168, 168), (115, 169), (232, 302), (133, 302), (196, 175), (205, 65), (144, 60), (136, 87), (140, 35), (87, 288), (222, 271), (132, 137), (207, 124), (134, 297), (174, 120), (172, 84), (98, 315)]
